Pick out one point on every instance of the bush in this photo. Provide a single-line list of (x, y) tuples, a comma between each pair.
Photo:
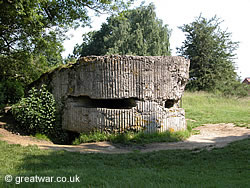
[(233, 89), (236, 89), (36, 113)]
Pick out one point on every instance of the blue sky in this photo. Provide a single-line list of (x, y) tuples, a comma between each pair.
[(175, 13)]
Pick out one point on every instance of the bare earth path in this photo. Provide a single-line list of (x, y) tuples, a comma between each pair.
[(211, 136)]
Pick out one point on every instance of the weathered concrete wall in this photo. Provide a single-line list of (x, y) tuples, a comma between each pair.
[(118, 93)]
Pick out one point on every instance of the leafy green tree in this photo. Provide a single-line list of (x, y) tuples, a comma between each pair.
[(132, 32), (31, 32), (211, 53)]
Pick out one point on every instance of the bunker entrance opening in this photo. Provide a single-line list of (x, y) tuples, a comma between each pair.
[(87, 102)]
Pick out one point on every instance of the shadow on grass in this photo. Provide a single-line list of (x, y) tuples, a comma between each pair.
[(218, 167)]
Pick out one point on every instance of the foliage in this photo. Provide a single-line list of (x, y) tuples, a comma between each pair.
[(36, 113), (206, 108), (219, 167), (132, 32), (31, 32), (133, 138), (40, 136), (235, 88), (211, 53), (95, 136), (11, 92), (22, 66)]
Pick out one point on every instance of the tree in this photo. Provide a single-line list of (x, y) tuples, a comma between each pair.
[(31, 32), (211, 53), (132, 32)]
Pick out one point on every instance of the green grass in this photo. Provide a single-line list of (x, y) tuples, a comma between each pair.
[(133, 138), (207, 108), (224, 167), (41, 137)]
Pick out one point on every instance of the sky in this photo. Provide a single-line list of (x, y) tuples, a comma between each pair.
[(176, 13)]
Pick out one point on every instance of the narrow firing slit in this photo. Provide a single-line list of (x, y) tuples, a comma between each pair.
[(87, 102)]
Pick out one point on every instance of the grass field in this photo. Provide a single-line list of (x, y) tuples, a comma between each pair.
[(224, 167), (206, 108), (227, 167)]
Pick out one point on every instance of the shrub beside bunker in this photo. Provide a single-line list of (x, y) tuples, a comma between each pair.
[(37, 113)]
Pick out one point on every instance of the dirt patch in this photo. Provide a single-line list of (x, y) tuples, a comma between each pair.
[(211, 136)]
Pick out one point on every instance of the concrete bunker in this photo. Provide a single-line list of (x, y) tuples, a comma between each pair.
[(120, 93)]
